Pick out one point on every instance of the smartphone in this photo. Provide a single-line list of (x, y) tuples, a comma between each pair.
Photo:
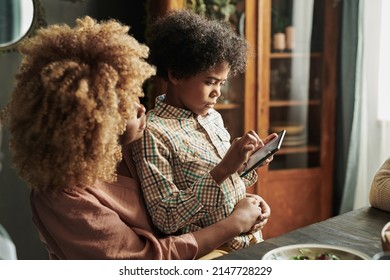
[(262, 154)]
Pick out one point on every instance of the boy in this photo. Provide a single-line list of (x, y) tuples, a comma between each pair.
[(189, 174)]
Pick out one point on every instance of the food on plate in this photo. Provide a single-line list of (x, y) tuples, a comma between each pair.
[(304, 255)]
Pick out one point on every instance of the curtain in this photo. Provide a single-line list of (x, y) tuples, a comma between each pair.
[(10, 20), (369, 143), (345, 104)]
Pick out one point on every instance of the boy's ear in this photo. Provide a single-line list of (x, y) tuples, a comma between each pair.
[(172, 78)]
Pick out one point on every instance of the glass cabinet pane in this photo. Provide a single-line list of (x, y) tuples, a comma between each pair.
[(295, 84), (231, 103)]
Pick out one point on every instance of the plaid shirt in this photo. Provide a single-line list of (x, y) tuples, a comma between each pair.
[(174, 159)]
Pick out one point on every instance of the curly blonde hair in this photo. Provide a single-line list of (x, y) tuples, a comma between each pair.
[(73, 97)]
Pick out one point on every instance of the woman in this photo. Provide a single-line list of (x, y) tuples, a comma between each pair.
[(74, 108)]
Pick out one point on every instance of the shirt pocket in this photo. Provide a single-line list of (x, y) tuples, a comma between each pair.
[(224, 138), (192, 161), (187, 153), (223, 135)]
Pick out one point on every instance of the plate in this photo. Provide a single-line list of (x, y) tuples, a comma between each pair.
[(295, 140), (293, 143), (295, 137), (291, 128), (311, 251)]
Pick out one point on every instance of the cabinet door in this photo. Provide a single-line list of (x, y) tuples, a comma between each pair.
[(297, 64), (237, 103), (295, 81)]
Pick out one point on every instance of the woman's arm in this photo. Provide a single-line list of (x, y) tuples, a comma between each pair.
[(70, 228)]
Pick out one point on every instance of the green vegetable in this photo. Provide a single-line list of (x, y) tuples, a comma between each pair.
[(304, 255)]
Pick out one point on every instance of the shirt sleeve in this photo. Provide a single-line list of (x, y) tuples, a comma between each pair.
[(250, 178), (171, 202), (80, 227)]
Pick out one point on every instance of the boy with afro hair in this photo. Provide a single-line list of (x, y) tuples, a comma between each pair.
[(188, 168)]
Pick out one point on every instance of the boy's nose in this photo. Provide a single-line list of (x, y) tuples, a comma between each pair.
[(216, 92)]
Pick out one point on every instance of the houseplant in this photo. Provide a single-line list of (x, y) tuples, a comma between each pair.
[(214, 9)]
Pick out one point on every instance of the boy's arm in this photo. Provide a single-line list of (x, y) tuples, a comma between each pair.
[(250, 178)]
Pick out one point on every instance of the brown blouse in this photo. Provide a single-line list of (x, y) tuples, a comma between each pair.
[(104, 221)]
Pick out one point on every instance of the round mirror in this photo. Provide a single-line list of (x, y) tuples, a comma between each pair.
[(17, 20)]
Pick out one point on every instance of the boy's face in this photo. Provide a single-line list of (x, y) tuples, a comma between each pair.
[(135, 125), (200, 93)]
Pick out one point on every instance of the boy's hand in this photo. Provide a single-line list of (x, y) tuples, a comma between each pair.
[(260, 144), (238, 154), (240, 151), (265, 211), (246, 214), (263, 142)]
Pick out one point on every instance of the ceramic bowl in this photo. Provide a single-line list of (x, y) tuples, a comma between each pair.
[(385, 237)]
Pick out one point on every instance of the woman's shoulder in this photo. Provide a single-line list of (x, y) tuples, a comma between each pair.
[(95, 194)]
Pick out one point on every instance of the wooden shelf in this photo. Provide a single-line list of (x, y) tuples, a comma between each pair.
[(227, 106), (284, 103), (299, 149), (288, 55)]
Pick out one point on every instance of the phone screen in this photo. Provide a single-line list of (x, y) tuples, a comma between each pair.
[(264, 153)]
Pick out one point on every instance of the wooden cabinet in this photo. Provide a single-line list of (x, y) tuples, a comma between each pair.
[(289, 86), (296, 90)]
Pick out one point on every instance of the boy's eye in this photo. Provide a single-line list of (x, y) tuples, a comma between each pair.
[(216, 82)]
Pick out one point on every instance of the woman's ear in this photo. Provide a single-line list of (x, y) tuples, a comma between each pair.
[(172, 78)]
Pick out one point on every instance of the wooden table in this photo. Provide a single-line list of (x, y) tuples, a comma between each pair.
[(358, 229)]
